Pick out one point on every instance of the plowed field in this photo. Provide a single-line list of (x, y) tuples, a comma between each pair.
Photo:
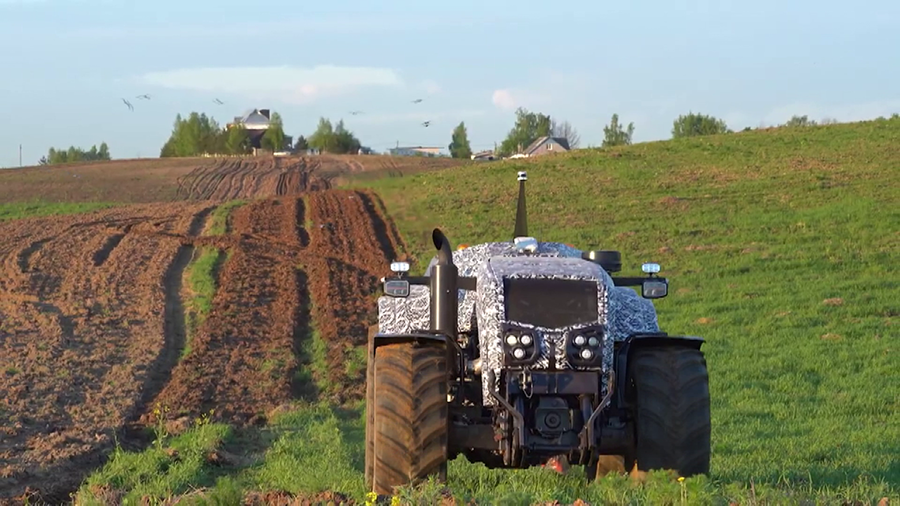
[(93, 330), (166, 180)]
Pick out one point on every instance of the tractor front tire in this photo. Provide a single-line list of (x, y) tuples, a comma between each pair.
[(410, 425), (670, 386)]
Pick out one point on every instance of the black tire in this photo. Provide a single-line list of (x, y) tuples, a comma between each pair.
[(672, 428), (409, 430)]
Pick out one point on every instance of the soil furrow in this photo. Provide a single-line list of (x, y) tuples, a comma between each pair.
[(101, 255)]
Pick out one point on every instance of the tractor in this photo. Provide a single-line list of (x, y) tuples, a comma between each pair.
[(512, 353)]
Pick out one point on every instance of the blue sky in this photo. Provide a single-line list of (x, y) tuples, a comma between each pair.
[(66, 64)]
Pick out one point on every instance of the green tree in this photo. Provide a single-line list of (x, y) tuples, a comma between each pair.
[(691, 125), (529, 126), (196, 135), (300, 144), (459, 142), (799, 121), (273, 139), (237, 141), (333, 139), (73, 154), (614, 135)]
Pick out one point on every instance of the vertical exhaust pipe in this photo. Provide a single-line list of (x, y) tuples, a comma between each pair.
[(444, 294), (521, 212)]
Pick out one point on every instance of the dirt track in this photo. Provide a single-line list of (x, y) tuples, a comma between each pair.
[(92, 322)]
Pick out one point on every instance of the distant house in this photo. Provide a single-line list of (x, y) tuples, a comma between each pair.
[(256, 122), (415, 151), (545, 145), (484, 156)]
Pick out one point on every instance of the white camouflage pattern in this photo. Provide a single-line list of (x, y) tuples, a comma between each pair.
[(621, 310)]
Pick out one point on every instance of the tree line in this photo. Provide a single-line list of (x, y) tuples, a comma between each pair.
[(200, 134), (55, 156), (530, 126)]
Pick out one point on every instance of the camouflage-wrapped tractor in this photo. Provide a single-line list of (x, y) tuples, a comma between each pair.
[(511, 353)]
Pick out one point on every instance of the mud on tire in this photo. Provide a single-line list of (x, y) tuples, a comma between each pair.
[(672, 431), (409, 429)]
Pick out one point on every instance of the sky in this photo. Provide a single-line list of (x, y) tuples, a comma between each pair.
[(66, 65)]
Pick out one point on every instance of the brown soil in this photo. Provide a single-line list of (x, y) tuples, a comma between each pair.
[(92, 321), (172, 179)]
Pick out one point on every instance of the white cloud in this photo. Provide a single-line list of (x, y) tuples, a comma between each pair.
[(504, 99), (285, 83)]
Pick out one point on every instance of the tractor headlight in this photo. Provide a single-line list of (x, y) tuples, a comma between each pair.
[(584, 346), (519, 346)]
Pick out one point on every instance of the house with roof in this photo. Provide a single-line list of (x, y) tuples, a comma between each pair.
[(415, 151), (256, 122), (484, 156), (546, 145)]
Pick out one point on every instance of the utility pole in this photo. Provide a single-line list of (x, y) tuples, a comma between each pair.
[(20, 155)]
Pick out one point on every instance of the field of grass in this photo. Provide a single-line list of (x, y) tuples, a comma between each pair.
[(19, 210), (779, 246)]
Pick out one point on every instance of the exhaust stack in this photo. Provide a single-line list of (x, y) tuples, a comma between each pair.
[(521, 211), (444, 294)]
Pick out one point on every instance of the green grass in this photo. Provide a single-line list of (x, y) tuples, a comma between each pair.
[(19, 210), (202, 280), (218, 220), (779, 246)]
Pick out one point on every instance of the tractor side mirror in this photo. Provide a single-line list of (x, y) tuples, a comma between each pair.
[(396, 288), (654, 288)]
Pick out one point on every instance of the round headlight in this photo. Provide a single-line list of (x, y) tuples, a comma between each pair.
[(519, 353), (579, 340), (526, 339), (594, 342), (587, 354), (511, 340)]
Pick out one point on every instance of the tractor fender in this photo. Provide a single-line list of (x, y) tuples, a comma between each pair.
[(378, 339), (625, 349)]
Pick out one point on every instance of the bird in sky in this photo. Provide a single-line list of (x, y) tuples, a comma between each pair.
[(144, 96), (218, 101), (416, 101), (354, 113), (426, 123), (130, 107)]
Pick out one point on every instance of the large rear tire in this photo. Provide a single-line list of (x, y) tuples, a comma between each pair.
[(410, 426), (671, 391)]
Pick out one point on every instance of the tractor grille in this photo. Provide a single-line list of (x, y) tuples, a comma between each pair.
[(550, 303)]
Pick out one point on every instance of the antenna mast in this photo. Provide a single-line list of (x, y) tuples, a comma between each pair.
[(521, 229)]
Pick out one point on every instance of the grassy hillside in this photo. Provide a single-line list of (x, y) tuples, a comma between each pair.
[(779, 246)]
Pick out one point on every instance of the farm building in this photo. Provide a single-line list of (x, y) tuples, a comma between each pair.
[(256, 122), (415, 151), (484, 156), (545, 145)]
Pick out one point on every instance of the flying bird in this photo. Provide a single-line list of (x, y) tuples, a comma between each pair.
[(130, 107), (426, 123), (354, 113), (416, 101), (144, 96), (218, 101)]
